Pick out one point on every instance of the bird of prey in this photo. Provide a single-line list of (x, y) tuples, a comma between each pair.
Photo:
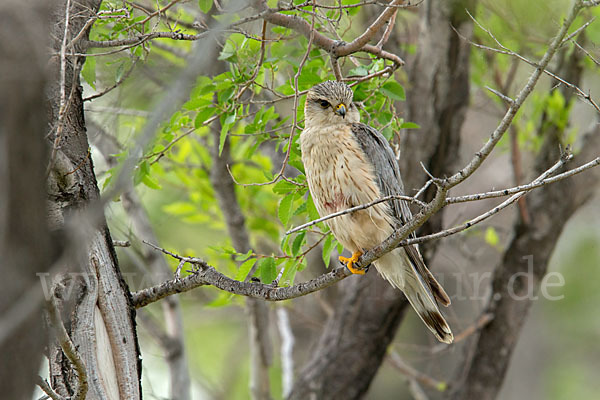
[(347, 164)]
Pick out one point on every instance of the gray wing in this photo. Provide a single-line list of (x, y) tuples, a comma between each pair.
[(380, 154)]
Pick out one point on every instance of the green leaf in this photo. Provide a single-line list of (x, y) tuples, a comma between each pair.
[(203, 115), (359, 71), (394, 91), (409, 125), (89, 71), (298, 242), (120, 72), (205, 5), (225, 126), (491, 236), (285, 209), (283, 187), (150, 182), (244, 269), (242, 257), (267, 270), (289, 273), (179, 208), (228, 52), (328, 247), (223, 299)]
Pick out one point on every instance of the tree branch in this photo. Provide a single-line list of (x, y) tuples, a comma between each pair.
[(207, 275), (335, 48), (204, 274), (69, 349)]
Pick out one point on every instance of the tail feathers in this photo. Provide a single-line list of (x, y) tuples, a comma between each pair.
[(421, 292), (419, 268), (438, 291), (430, 315)]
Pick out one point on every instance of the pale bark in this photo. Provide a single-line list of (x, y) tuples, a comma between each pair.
[(95, 301)]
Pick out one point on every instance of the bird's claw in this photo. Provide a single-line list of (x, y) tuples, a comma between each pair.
[(350, 261)]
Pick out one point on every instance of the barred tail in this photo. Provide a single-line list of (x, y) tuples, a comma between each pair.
[(399, 271)]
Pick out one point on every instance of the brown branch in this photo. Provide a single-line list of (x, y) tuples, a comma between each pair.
[(357, 44), (139, 39), (519, 190), (388, 29), (110, 88), (45, 386), (507, 51), (335, 48), (412, 374), (296, 95), (204, 275), (207, 275), (69, 349)]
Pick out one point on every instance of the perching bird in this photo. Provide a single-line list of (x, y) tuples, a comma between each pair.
[(347, 164)]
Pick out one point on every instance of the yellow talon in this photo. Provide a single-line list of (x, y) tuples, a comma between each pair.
[(352, 260)]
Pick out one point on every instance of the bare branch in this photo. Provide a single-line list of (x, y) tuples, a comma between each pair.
[(353, 209), (204, 275), (447, 232), (139, 39), (335, 48), (45, 386), (110, 88), (460, 199), (411, 373), (63, 88), (507, 51), (69, 349), (207, 275)]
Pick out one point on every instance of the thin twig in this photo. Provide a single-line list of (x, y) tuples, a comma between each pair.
[(399, 364), (524, 188), (354, 209), (45, 386), (280, 175), (504, 50), (110, 88), (486, 215)]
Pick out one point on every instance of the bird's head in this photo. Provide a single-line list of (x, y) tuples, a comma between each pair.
[(330, 103)]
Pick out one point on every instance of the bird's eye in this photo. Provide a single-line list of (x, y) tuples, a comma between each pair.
[(323, 103)]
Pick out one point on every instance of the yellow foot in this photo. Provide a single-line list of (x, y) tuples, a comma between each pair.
[(352, 260)]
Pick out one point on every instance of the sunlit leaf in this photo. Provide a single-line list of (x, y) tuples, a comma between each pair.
[(285, 209), (88, 71), (328, 246), (394, 91), (244, 269), (267, 270)]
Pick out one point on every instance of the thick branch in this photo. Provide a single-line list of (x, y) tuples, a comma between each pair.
[(335, 48), (207, 275)]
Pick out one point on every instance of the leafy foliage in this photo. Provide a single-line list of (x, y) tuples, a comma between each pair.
[(243, 112)]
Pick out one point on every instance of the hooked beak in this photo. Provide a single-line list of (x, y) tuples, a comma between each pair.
[(341, 110)]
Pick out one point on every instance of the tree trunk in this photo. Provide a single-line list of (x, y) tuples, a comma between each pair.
[(94, 299)]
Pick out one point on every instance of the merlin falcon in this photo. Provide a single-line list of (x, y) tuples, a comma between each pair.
[(347, 164)]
